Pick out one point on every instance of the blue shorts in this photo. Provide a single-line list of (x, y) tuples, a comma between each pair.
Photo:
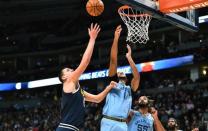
[(111, 125)]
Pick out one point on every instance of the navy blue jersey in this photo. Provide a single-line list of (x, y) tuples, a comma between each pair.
[(72, 109)]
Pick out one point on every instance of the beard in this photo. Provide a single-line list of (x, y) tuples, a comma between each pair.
[(142, 104), (171, 128)]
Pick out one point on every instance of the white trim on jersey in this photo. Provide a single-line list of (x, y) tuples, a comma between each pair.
[(63, 125)]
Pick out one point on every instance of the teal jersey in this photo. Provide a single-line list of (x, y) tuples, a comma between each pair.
[(118, 102), (140, 122)]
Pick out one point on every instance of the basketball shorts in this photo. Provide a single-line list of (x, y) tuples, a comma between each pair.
[(111, 125)]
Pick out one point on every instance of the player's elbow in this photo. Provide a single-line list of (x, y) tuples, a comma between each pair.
[(134, 89), (135, 85), (111, 74), (97, 99), (136, 76)]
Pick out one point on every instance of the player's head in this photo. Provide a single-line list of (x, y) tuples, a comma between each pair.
[(143, 102), (64, 74), (122, 76), (172, 124)]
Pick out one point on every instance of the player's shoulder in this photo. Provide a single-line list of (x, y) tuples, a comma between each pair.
[(136, 113)]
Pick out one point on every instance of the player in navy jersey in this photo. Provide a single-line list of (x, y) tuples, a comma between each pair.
[(142, 120), (119, 99), (72, 102)]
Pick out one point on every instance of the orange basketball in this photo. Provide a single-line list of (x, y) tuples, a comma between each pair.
[(95, 7)]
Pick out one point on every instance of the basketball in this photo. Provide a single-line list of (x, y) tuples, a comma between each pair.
[(95, 7)]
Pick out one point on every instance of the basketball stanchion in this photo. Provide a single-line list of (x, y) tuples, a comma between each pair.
[(95, 7)]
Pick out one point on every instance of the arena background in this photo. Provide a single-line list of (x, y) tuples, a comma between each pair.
[(39, 37)]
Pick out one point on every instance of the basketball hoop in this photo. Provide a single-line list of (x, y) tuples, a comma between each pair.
[(137, 23)]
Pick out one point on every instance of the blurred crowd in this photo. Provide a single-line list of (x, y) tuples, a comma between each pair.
[(188, 106)]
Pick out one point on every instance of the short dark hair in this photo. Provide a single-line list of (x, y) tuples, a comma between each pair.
[(60, 75)]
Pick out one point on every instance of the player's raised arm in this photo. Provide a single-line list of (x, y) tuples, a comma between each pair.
[(93, 32), (99, 97), (157, 124), (114, 52), (136, 76)]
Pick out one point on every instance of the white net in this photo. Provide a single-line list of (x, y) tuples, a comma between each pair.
[(137, 23)]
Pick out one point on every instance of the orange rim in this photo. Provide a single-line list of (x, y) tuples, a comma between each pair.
[(125, 7)]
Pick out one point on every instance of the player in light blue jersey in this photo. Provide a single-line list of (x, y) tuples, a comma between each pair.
[(119, 100), (142, 120)]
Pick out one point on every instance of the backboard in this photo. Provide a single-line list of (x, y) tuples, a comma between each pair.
[(189, 22)]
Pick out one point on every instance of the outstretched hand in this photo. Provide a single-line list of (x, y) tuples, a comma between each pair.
[(93, 31), (128, 54), (154, 112), (113, 84), (118, 31)]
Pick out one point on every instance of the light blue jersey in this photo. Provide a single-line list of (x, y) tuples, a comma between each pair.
[(117, 105), (140, 122), (118, 102)]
